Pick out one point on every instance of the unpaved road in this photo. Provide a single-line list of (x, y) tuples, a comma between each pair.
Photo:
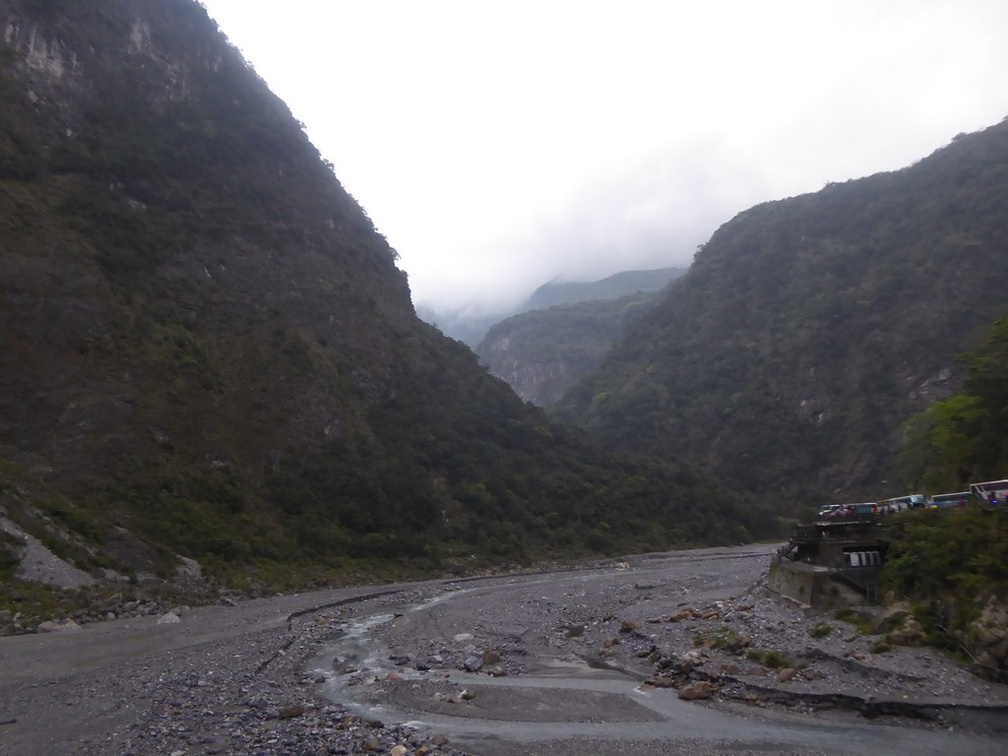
[(559, 663)]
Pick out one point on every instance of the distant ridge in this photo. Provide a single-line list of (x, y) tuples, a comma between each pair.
[(472, 329), (613, 287)]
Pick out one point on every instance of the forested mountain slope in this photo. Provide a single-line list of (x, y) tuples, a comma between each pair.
[(542, 353), (208, 350), (810, 329), (619, 285)]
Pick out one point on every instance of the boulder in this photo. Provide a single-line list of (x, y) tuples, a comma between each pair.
[(290, 712), (697, 690), (890, 618), (787, 674), (910, 633), (54, 626), (737, 641)]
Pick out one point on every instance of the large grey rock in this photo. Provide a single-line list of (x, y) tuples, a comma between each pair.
[(54, 626)]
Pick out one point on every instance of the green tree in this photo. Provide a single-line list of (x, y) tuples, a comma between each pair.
[(964, 437)]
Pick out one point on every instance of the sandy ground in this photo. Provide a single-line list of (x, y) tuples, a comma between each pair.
[(562, 662)]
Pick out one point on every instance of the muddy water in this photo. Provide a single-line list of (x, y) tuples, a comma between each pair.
[(560, 700)]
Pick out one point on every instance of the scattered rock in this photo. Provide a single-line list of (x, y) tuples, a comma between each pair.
[(169, 619)]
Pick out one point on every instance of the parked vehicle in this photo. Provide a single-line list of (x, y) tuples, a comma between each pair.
[(992, 492), (902, 503), (958, 499)]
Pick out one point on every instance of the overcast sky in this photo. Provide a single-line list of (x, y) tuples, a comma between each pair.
[(502, 144)]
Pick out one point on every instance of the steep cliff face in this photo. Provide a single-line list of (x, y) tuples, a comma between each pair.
[(808, 330), (171, 233), (542, 353), (541, 383)]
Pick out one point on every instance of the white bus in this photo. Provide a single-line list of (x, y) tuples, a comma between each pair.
[(993, 492), (903, 503), (959, 499)]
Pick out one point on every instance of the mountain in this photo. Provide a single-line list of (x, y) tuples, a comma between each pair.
[(622, 284), (808, 330), (470, 328), (208, 351), (542, 353)]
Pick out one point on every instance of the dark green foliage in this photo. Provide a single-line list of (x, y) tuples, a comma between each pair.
[(947, 562), (809, 330), (964, 438), (821, 630), (769, 659), (476, 470)]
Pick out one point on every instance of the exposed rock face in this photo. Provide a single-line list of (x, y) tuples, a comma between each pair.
[(542, 383), (38, 563), (542, 353), (987, 640), (133, 343)]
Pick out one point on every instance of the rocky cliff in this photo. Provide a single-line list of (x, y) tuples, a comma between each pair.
[(542, 353)]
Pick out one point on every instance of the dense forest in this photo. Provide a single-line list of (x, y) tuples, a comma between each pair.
[(964, 438), (951, 563), (808, 331), (209, 351)]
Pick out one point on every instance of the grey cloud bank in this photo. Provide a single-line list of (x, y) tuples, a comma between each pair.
[(499, 145)]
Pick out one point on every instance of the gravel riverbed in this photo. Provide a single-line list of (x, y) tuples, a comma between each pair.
[(591, 660)]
